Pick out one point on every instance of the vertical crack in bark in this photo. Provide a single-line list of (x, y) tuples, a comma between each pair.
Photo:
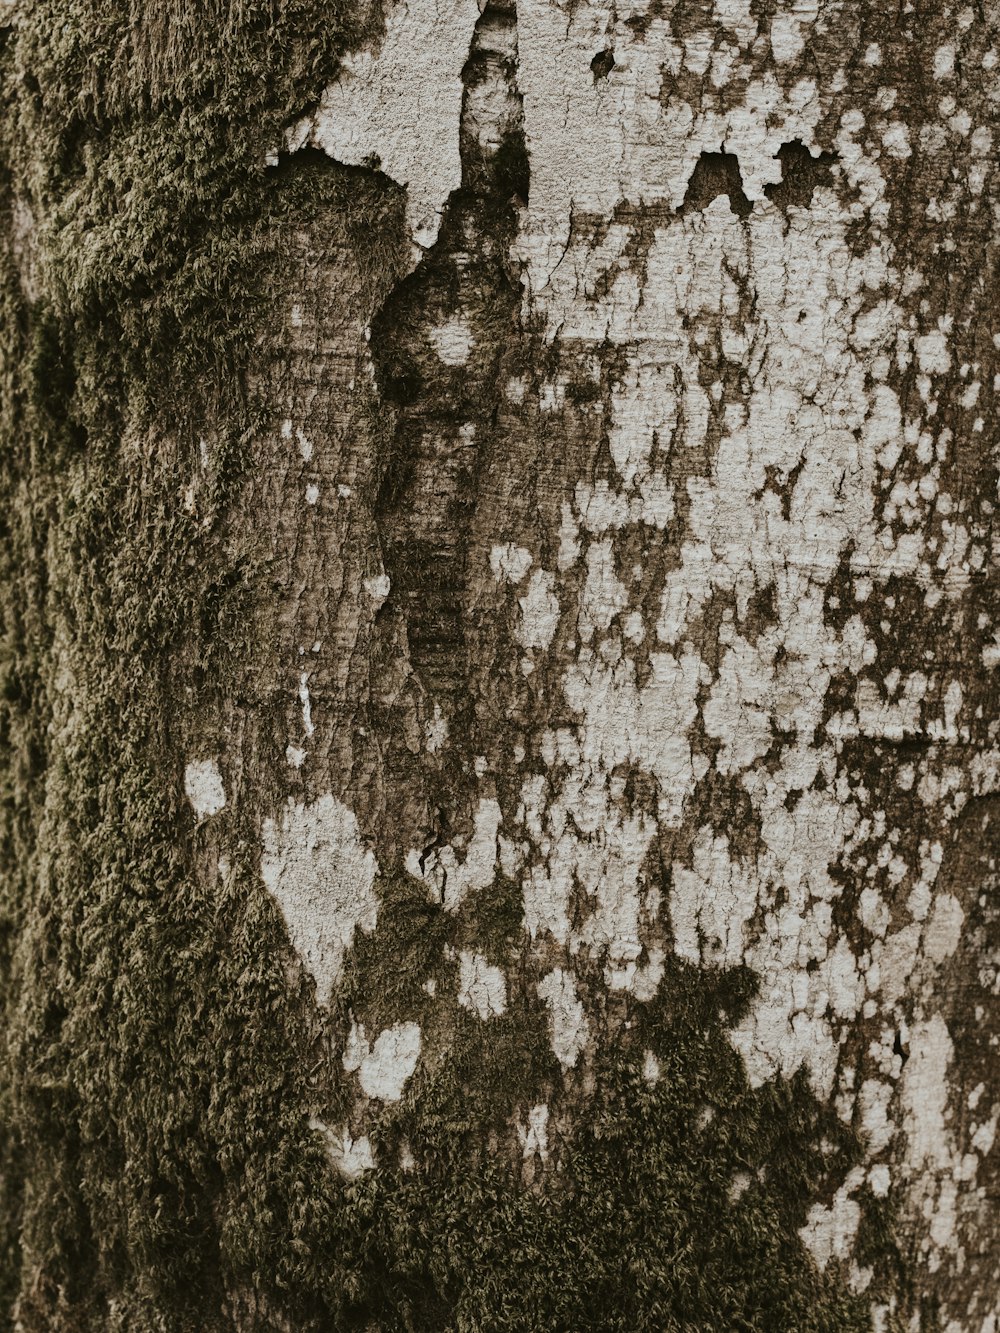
[(436, 345)]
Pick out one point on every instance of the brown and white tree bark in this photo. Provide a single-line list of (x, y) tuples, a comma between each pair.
[(501, 639)]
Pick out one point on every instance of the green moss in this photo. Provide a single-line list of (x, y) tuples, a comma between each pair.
[(634, 1228), (151, 219), (162, 1064), (385, 973), (494, 927)]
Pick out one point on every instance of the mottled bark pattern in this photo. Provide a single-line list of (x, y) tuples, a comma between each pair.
[(585, 758)]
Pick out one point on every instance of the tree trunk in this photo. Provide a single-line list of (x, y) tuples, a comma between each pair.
[(501, 774)]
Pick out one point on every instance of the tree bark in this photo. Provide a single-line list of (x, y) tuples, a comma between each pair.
[(501, 776)]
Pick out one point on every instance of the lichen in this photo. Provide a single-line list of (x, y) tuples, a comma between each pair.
[(182, 1144)]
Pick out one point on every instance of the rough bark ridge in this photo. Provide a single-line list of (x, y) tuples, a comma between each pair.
[(500, 639)]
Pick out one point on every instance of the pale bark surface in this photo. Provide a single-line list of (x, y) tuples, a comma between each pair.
[(500, 642)]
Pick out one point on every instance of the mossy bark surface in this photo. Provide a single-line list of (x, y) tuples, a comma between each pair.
[(499, 643)]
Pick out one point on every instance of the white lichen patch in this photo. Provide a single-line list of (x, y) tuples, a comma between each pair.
[(351, 1157), (534, 1136), (568, 1026), (642, 143), (539, 611), (322, 876), (879, 1180), (736, 546), (436, 730), (305, 445), (711, 904), (509, 563), (933, 356), (830, 1231), (452, 341), (204, 788), (384, 1066), (688, 634), (936, 1173), (378, 588), (944, 929), (398, 108), (787, 36), (305, 700), (808, 288), (452, 876), (481, 986), (801, 494)]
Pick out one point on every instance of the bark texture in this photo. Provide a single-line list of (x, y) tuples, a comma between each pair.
[(500, 800)]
